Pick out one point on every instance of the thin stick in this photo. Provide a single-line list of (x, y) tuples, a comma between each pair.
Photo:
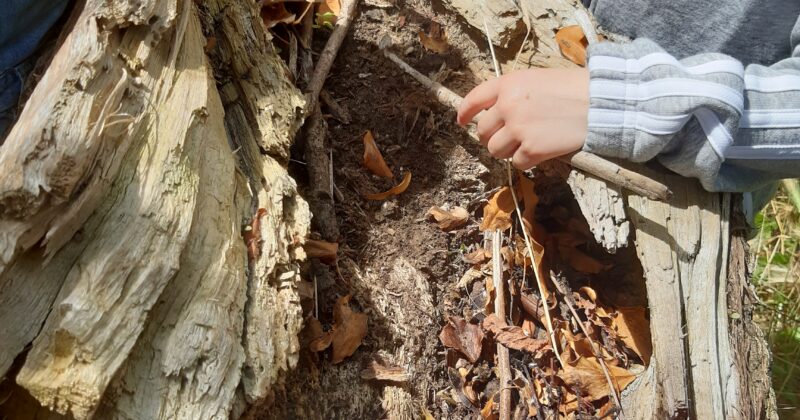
[(595, 350), (539, 282), (328, 54), (587, 162), (316, 304), (491, 47), (503, 362)]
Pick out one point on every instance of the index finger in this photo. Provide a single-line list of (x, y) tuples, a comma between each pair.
[(480, 98)]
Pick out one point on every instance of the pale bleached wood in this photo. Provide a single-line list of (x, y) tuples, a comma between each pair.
[(654, 246), (75, 122), (262, 112), (159, 209), (136, 250), (684, 247), (603, 206)]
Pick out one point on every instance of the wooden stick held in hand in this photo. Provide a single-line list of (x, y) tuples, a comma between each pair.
[(587, 162)]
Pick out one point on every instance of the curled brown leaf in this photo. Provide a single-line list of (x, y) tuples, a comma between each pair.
[(435, 40), (349, 329), (451, 219), (586, 376), (396, 190), (373, 159), (513, 337), (320, 340), (633, 329), (572, 43), (325, 251), (463, 337), (497, 212)]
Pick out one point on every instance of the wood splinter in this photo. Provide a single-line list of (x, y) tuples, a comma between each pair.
[(584, 161)]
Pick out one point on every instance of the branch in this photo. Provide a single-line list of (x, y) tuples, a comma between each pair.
[(503, 363), (587, 162), (328, 54)]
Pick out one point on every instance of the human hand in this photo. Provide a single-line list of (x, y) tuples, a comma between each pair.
[(531, 115)]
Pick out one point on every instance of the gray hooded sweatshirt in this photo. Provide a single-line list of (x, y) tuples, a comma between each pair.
[(709, 88)]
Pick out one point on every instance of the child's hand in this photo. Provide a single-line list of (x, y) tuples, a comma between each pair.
[(531, 115)]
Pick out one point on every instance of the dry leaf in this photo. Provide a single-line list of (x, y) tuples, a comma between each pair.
[(464, 337), (573, 44), (348, 330), (252, 236), (373, 160), (211, 43), (378, 372), (525, 186), (586, 376), (435, 40), (327, 13), (580, 261), (488, 307), (532, 305), (513, 337), (275, 13), (396, 190), (332, 6), (469, 277), (449, 219), (634, 330), (497, 212), (569, 403), (320, 340), (325, 251), (476, 257), (487, 412), (469, 391)]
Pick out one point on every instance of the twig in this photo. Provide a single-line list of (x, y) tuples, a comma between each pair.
[(618, 175), (562, 288), (584, 161), (539, 281), (328, 54), (503, 363)]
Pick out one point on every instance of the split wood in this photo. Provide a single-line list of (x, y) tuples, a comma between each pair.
[(315, 129), (328, 55), (584, 161), (503, 362)]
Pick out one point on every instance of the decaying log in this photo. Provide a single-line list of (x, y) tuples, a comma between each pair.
[(123, 191), (686, 249)]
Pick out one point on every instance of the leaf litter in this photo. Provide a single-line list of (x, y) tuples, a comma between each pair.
[(602, 347)]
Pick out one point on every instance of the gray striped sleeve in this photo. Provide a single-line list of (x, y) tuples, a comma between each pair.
[(705, 116)]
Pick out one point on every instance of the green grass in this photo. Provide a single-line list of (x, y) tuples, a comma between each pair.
[(776, 276)]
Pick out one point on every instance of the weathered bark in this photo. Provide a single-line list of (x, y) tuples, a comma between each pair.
[(123, 190), (687, 250)]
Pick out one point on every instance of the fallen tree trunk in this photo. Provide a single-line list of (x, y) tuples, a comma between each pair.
[(124, 278)]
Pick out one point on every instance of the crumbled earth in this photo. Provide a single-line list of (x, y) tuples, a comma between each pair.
[(399, 267)]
